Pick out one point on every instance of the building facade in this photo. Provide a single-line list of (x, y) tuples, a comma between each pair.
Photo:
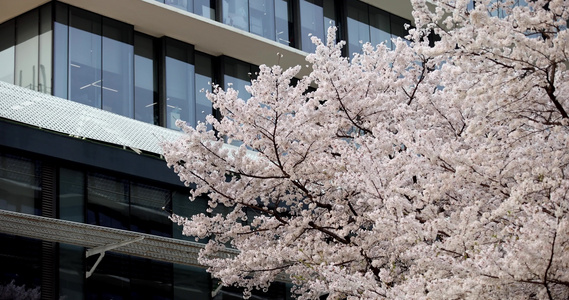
[(88, 89)]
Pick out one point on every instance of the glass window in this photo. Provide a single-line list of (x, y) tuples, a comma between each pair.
[(205, 8), (60, 51), (71, 272), (358, 26), (182, 206), (21, 265), (146, 107), (262, 20), (191, 283), (180, 104), (398, 27), (111, 279), (204, 78), (181, 4), (85, 66), (7, 50), (107, 201), (117, 82), (45, 50), (150, 279), (71, 195), (283, 22), (236, 13), (379, 27), (19, 185), (27, 40), (311, 23), (237, 75), (146, 213)]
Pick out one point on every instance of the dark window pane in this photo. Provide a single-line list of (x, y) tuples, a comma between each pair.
[(71, 272), (85, 57), (146, 213), (145, 80), (150, 279), (107, 201), (118, 57), (237, 76), (236, 13), (20, 265), (111, 279), (191, 283), (71, 195), (19, 185), (182, 206)]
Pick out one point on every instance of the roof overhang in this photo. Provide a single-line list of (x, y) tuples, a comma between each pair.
[(92, 236)]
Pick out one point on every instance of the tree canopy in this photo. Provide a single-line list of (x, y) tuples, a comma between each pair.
[(427, 171)]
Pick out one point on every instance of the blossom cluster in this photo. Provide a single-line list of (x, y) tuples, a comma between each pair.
[(436, 170)]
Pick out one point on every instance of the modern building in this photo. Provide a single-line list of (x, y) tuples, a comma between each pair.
[(89, 88)]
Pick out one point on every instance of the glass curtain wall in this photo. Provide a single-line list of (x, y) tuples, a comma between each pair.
[(204, 79), (204, 8), (26, 48), (180, 89), (271, 19), (370, 24), (7, 50), (20, 267), (146, 106), (283, 22), (20, 187), (315, 18), (101, 57), (237, 74)]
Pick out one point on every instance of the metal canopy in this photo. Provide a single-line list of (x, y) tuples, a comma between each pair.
[(92, 236), (80, 120)]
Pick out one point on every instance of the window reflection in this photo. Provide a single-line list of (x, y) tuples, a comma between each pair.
[(7, 51), (283, 22), (179, 83), (380, 27), (19, 185), (205, 8), (236, 14), (237, 75), (145, 80), (107, 201), (262, 21), (85, 57), (117, 82), (71, 195), (204, 78), (311, 23), (358, 26), (146, 213)]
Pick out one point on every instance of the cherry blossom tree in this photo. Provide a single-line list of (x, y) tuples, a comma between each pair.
[(424, 172)]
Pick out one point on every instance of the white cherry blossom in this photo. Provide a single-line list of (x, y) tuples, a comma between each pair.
[(424, 172)]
